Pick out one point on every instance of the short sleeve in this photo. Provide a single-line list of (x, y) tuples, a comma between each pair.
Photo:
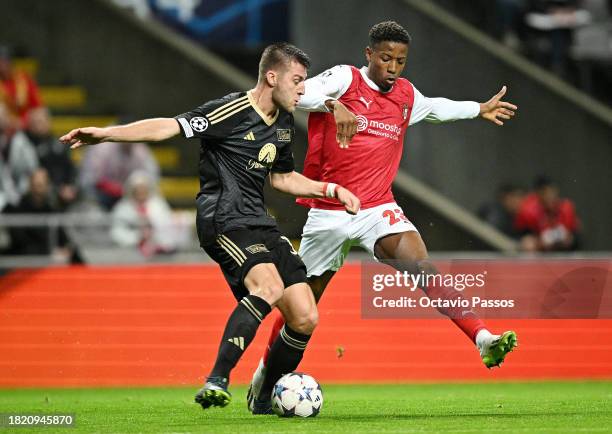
[(285, 162), (211, 120)]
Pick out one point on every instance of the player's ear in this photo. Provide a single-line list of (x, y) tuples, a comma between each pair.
[(272, 78), (368, 54)]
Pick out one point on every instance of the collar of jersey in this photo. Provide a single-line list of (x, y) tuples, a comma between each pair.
[(269, 120), (364, 74)]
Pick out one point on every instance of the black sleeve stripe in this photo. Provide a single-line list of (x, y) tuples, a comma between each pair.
[(234, 110), (218, 111)]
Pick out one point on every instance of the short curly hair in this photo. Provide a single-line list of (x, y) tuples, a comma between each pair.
[(389, 31)]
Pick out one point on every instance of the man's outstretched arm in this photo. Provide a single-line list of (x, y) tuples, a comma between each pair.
[(438, 110), (148, 130)]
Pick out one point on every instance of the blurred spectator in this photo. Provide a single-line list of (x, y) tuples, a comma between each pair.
[(571, 37), (18, 90), (592, 49), (553, 23), (107, 167), (52, 155), (143, 219), (502, 213), (38, 240), (510, 15), (18, 161), (547, 221)]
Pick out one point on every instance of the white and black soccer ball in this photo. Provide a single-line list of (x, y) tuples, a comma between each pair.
[(297, 394)]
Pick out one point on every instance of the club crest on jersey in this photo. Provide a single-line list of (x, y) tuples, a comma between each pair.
[(267, 154), (257, 248), (283, 135), (405, 111), (198, 124)]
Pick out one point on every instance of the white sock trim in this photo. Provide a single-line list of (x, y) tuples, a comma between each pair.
[(482, 337)]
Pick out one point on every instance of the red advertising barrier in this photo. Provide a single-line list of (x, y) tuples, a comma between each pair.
[(160, 325)]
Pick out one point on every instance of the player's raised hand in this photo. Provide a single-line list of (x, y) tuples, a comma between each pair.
[(349, 200), (495, 109), (346, 124), (84, 136)]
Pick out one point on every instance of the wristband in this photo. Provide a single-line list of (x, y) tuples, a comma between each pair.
[(331, 189)]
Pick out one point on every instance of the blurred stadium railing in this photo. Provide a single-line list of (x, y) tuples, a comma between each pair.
[(89, 234)]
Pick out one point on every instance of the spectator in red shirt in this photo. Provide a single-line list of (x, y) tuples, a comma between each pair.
[(17, 90), (548, 222)]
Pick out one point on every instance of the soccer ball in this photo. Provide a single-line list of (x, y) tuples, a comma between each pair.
[(297, 394)]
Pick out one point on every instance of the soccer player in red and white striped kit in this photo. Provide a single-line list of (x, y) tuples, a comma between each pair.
[(356, 134)]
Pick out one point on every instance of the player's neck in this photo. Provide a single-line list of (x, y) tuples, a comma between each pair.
[(263, 98), (365, 73)]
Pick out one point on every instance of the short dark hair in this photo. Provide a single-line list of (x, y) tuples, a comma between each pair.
[(389, 31), (281, 52)]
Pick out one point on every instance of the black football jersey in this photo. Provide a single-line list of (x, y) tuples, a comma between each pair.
[(240, 145)]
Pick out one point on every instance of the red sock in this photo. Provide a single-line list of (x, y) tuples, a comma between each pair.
[(470, 326), (469, 323), (279, 322)]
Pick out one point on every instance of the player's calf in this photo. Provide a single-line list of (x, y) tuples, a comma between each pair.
[(285, 356), (493, 348), (300, 312), (239, 333), (305, 323)]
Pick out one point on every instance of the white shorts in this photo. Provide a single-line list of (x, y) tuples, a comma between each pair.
[(329, 234)]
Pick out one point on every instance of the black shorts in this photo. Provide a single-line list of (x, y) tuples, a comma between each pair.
[(240, 250)]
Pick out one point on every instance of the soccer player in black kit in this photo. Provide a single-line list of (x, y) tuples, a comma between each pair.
[(245, 137)]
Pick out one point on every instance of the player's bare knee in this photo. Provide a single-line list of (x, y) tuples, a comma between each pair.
[(265, 283), (269, 287), (270, 291), (312, 320), (306, 322)]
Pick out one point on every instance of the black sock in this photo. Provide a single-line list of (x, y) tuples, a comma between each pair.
[(285, 356), (239, 332)]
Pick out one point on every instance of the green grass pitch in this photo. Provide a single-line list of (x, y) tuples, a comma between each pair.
[(542, 407)]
